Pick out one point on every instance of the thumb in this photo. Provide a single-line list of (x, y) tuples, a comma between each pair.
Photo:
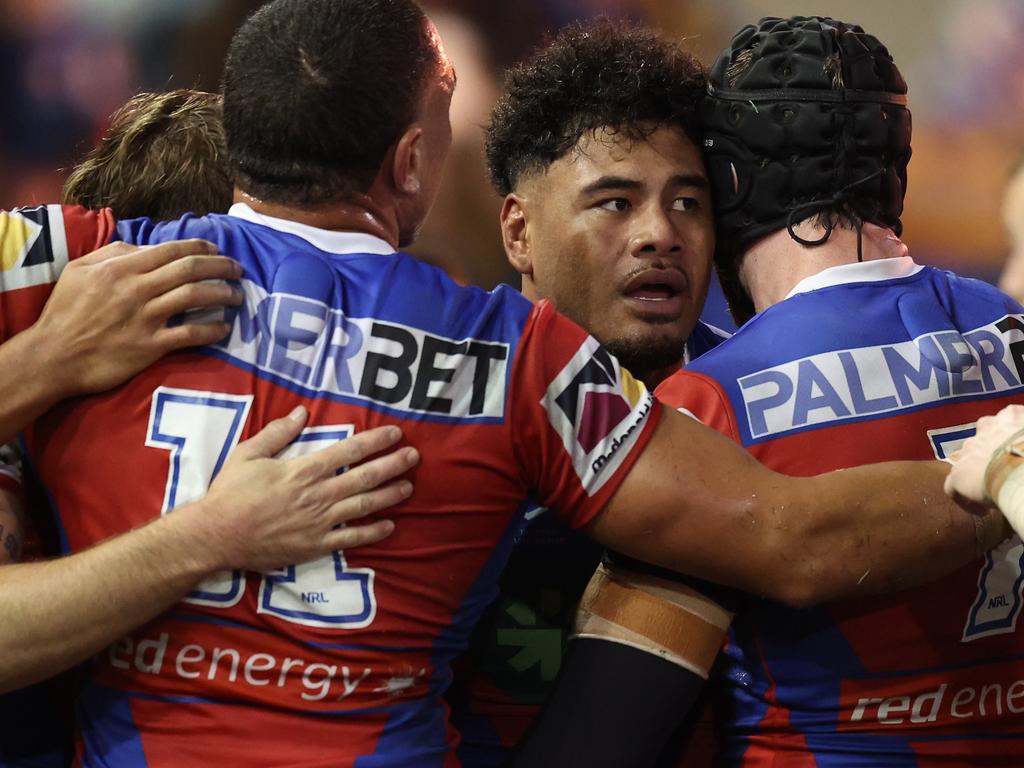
[(274, 437)]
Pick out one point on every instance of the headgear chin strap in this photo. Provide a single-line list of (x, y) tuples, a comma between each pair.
[(803, 116)]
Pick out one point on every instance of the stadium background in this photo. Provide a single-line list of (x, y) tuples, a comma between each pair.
[(65, 65)]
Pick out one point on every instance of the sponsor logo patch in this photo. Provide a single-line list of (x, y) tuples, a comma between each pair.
[(872, 381), (597, 408), (366, 360)]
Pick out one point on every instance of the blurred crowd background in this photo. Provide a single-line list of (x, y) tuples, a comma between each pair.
[(67, 64)]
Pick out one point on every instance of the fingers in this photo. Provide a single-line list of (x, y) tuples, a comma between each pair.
[(153, 257), (109, 251), (147, 258), (193, 296), (358, 536), (274, 437), (190, 268), (368, 476), (189, 335), (352, 505), (352, 450)]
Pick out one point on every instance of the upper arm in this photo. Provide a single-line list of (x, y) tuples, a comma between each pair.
[(697, 503)]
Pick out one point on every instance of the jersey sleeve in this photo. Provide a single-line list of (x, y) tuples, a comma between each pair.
[(35, 246), (700, 397), (580, 420)]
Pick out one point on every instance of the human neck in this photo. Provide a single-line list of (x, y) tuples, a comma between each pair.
[(358, 213), (773, 266)]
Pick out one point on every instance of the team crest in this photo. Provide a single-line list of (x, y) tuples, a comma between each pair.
[(598, 409)]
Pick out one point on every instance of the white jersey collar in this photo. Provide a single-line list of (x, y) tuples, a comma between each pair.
[(865, 272), (325, 239)]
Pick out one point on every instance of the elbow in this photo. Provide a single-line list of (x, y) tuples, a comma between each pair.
[(802, 592), (802, 573), (12, 679)]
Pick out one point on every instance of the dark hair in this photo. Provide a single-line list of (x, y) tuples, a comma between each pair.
[(163, 156), (317, 91), (603, 73)]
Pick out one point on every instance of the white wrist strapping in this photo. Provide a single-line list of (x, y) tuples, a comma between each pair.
[(1011, 499)]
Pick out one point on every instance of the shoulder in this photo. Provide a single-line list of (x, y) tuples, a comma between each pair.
[(702, 339)]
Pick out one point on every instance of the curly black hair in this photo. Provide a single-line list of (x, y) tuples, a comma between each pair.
[(590, 75)]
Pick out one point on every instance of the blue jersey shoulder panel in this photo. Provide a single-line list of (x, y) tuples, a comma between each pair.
[(805, 361)]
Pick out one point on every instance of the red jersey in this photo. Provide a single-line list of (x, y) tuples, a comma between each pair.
[(341, 661)]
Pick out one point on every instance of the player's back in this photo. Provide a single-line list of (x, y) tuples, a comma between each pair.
[(897, 367), (321, 663)]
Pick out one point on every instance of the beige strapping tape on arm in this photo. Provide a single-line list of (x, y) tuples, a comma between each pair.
[(656, 616)]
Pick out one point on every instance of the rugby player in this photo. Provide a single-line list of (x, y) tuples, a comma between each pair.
[(849, 352), (607, 214), (514, 398), (163, 151)]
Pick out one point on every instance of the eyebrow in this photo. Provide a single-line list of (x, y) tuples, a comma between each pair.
[(611, 182), (606, 183), (690, 180)]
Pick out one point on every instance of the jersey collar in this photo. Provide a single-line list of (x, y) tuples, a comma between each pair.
[(324, 239), (864, 272)]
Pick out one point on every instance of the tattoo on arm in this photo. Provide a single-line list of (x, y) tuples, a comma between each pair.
[(11, 542)]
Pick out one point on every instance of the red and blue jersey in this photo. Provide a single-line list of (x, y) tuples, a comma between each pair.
[(516, 650), (863, 363), (341, 661)]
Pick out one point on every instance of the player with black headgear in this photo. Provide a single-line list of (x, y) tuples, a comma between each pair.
[(805, 121)]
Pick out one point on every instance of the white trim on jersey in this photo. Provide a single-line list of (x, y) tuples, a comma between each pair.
[(863, 272), (324, 239)]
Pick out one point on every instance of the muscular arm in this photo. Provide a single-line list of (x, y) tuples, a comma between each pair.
[(107, 320), (260, 514), (800, 540)]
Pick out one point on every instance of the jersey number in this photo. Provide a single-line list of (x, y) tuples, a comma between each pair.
[(998, 603), (200, 429)]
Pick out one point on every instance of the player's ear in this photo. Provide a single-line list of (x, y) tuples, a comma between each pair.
[(515, 235), (408, 161)]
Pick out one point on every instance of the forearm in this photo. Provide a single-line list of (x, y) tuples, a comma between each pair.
[(59, 612), (31, 382), (642, 651), (810, 540), (259, 514), (613, 705), (702, 506), (848, 543)]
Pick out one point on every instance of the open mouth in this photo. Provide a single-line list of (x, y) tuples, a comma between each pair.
[(656, 294), (655, 285), (653, 292)]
